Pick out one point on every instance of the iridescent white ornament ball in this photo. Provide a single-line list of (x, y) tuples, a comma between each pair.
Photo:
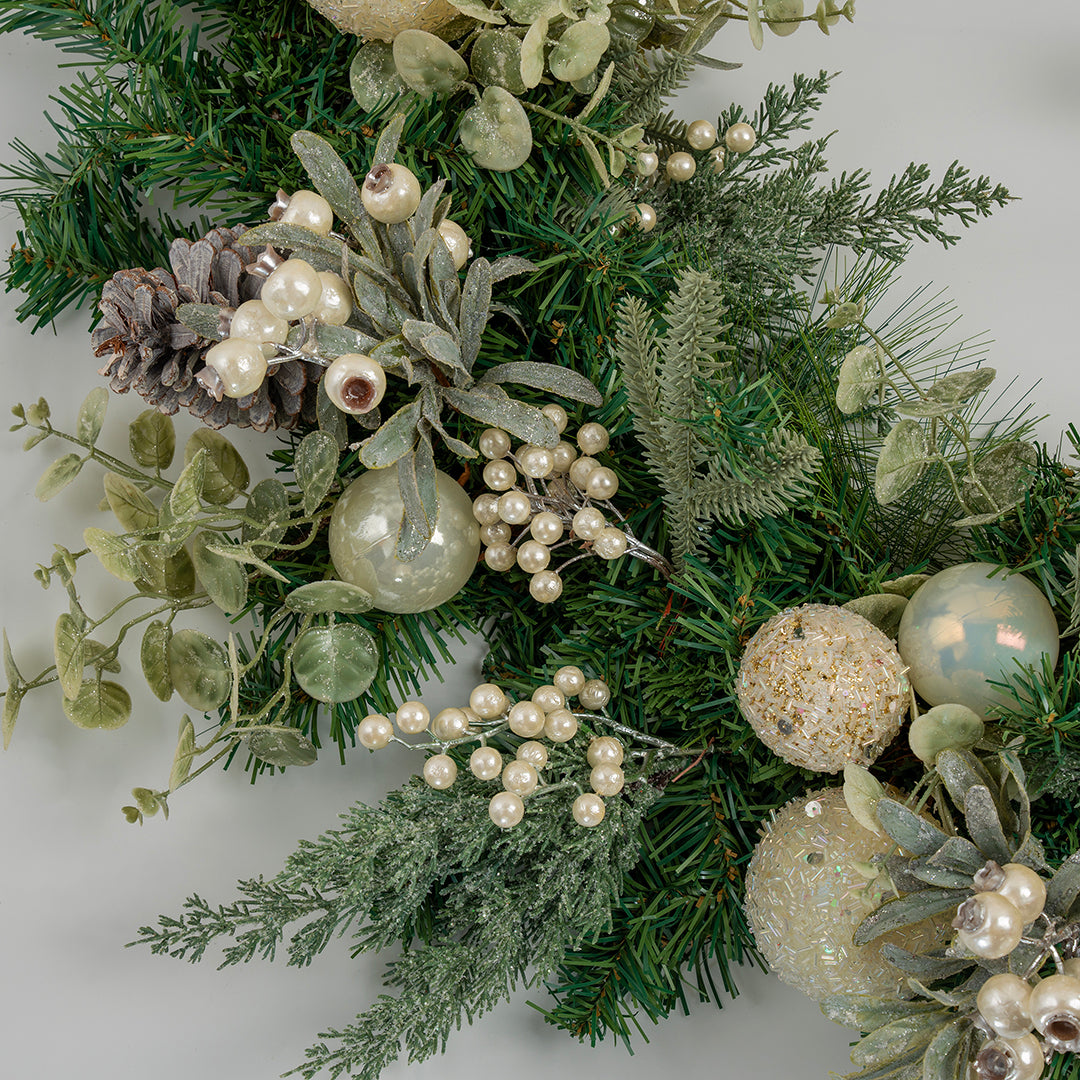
[(805, 896), (964, 627), (363, 542), (822, 686)]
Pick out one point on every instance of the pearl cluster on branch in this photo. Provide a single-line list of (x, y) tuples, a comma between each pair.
[(553, 499), (294, 293), (544, 718)]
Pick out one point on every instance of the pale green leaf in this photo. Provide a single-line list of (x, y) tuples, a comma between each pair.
[(901, 462), (114, 554), (268, 508), (753, 21), (165, 572), (132, 508), (477, 9), (184, 501), (394, 439), (100, 705), (373, 78), (185, 753), (331, 419), (594, 157), (598, 95), (315, 467), (282, 746), (1004, 474), (859, 378), (223, 580), (335, 663), (910, 909), (326, 597), (552, 378), (92, 415), (152, 439), (70, 654), (57, 476), (862, 792), (146, 801), (245, 554), (12, 700), (225, 474), (532, 53), (154, 657), (199, 669), (497, 410)]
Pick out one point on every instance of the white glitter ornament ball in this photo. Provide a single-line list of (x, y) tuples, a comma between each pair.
[(383, 20), (805, 896), (822, 686), (964, 627)]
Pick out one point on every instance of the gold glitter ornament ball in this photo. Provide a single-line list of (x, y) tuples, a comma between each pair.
[(806, 893), (822, 686), (383, 20)]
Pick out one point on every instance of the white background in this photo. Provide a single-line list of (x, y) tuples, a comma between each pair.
[(992, 83)]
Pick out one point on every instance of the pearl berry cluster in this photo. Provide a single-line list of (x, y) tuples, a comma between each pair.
[(294, 292), (991, 925), (546, 717), (561, 487)]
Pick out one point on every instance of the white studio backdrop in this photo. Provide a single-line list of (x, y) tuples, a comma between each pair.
[(920, 81)]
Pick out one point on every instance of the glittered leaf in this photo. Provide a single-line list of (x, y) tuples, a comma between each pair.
[(335, 663), (269, 511), (57, 476), (100, 705), (477, 9), (522, 421), (961, 386), (246, 555), (944, 1058), (927, 968), (152, 439), (394, 439), (282, 746), (984, 824), (961, 770), (597, 162), (1063, 889), (907, 585), (154, 657), (475, 309), (864, 1013), (862, 792), (185, 753), (114, 554), (417, 479), (92, 415), (225, 475), (913, 833), (602, 87), (69, 653), (199, 669), (202, 319), (331, 178), (532, 53), (331, 418), (960, 854), (554, 379), (325, 597), (132, 508), (1003, 477), (166, 573), (102, 657), (908, 910), (901, 461), (223, 580), (315, 467), (895, 1039), (428, 64), (184, 502), (373, 78), (337, 340), (859, 379)]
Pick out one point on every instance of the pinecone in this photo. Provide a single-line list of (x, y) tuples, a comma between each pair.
[(150, 351)]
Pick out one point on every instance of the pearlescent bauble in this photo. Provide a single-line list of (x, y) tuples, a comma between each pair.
[(822, 686), (963, 627), (363, 541), (805, 896), (383, 20)]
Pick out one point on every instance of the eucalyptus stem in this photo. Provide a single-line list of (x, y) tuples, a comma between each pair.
[(113, 464)]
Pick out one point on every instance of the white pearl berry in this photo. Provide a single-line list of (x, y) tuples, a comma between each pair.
[(610, 544), (580, 469), (506, 809), (514, 507), (996, 926), (254, 321), (594, 695), (700, 134), (488, 701), (643, 216), (549, 697), (1054, 1007), (557, 415), (500, 475), (545, 587), (526, 719), (536, 461), (546, 527), (390, 193), (335, 303), (239, 363), (375, 731), (1024, 889), (589, 810), (292, 291), (499, 533), (500, 557), (520, 777), (355, 383), (740, 138), (589, 523), (309, 209), (647, 163), (593, 438), (563, 456), (535, 753), (486, 508), (607, 779), (570, 680), (602, 484), (533, 556), (456, 240), (494, 443), (1003, 1003), (412, 717), (680, 166), (440, 771), (449, 724), (485, 763), (605, 751), (560, 726)]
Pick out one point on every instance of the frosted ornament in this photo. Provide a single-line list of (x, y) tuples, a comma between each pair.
[(963, 628), (383, 20), (806, 895), (363, 539), (822, 686)]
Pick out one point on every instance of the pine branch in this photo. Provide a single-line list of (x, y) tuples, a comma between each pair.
[(645, 81)]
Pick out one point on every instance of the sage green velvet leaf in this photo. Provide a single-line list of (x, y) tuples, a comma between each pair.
[(908, 910), (533, 45), (862, 792), (884, 610), (927, 968), (202, 319), (165, 573), (315, 467), (474, 309), (225, 475), (92, 415), (944, 727), (268, 507), (944, 1058), (1063, 889), (69, 653), (960, 854), (185, 754), (58, 475), (327, 597), (100, 705), (323, 252), (427, 64), (331, 177), (858, 379), (913, 833), (131, 506), (961, 770), (522, 421), (961, 386), (199, 670), (901, 461), (281, 747), (184, 501), (394, 439), (373, 78), (865, 1013), (593, 154), (335, 663), (337, 340), (223, 580), (984, 825), (152, 439), (526, 12), (496, 132), (552, 378), (154, 657), (387, 146), (417, 479), (245, 555), (331, 419), (906, 585), (114, 554), (895, 1039)]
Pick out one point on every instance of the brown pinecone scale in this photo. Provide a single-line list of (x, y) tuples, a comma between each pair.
[(150, 351)]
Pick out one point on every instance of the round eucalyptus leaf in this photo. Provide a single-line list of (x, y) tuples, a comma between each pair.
[(858, 379), (164, 574), (962, 385), (373, 76), (335, 663), (496, 60), (1005, 472), (146, 801), (225, 474), (427, 64), (152, 439), (901, 461), (223, 580), (199, 670), (578, 51), (281, 747), (526, 12), (630, 22), (268, 507), (496, 131), (154, 656), (100, 705), (326, 597)]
